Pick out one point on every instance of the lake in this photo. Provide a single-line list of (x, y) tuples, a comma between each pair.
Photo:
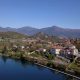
[(11, 69)]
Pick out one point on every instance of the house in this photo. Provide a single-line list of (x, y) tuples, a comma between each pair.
[(22, 47), (42, 50), (15, 46), (69, 52), (56, 49), (74, 50)]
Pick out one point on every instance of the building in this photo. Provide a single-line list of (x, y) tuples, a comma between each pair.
[(22, 47), (69, 52), (56, 49), (74, 50), (42, 50)]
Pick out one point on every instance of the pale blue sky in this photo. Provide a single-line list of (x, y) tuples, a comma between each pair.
[(40, 13)]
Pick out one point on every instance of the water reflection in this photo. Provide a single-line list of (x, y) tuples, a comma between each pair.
[(4, 58)]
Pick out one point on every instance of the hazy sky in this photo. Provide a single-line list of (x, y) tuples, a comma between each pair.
[(40, 13)]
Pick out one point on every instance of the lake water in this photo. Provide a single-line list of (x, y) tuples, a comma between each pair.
[(11, 69)]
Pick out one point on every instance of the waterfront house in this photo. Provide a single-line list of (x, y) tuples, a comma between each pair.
[(74, 50), (56, 49), (69, 52)]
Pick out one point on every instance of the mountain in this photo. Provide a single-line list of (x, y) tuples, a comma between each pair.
[(61, 32), (52, 31), (24, 30), (6, 29), (27, 30)]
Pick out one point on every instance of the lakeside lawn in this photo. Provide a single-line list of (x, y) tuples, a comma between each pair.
[(74, 66)]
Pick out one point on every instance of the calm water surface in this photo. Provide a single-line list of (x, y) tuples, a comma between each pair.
[(19, 70)]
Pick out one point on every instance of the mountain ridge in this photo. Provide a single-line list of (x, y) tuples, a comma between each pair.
[(52, 31)]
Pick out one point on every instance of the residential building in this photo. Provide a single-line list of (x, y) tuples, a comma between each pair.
[(56, 49)]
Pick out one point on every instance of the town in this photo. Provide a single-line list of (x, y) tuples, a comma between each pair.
[(57, 53)]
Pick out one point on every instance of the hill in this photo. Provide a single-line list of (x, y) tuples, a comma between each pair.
[(46, 37), (27, 30), (61, 32), (12, 35), (52, 31)]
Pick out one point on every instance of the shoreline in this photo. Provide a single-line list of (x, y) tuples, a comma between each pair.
[(58, 71), (63, 72)]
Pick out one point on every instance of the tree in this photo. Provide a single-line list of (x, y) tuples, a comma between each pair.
[(5, 50), (21, 55), (50, 64), (50, 56)]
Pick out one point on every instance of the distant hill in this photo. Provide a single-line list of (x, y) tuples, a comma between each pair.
[(46, 37), (7, 29), (52, 31), (12, 35), (27, 30), (16, 35), (61, 32)]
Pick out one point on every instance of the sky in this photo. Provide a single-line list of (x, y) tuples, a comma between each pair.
[(40, 13)]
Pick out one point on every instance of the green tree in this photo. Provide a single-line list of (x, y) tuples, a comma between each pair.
[(5, 50), (50, 64), (50, 56)]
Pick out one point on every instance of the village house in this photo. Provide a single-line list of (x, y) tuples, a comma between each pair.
[(41, 50), (74, 50), (22, 47), (56, 49), (15, 46), (69, 52)]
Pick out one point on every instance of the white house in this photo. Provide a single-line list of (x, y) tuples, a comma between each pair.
[(44, 50), (75, 52), (71, 50), (57, 51), (22, 47), (72, 47), (15, 46)]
